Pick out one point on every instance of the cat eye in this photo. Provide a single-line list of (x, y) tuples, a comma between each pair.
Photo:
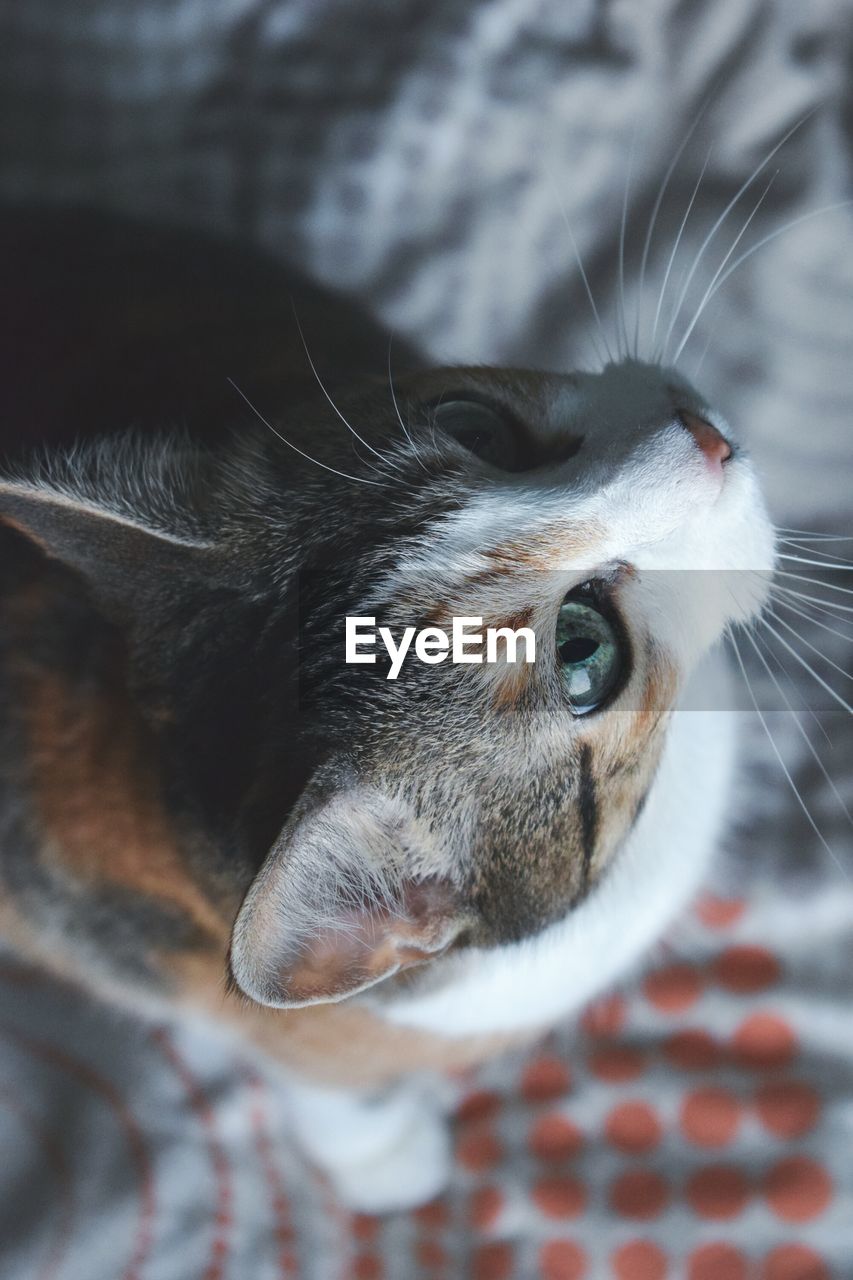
[(590, 650), (486, 432)]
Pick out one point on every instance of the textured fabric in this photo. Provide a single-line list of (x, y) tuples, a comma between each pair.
[(698, 1125)]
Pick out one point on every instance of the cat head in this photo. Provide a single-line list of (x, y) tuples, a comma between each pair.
[(458, 804)]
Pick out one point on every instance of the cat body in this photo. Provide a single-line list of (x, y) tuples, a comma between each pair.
[(203, 806)]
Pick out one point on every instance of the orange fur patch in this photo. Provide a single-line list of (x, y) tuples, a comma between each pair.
[(97, 797)]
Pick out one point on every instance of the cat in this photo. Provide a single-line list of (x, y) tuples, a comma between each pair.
[(204, 808)]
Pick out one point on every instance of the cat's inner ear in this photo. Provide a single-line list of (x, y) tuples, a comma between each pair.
[(116, 552), (337, 907)]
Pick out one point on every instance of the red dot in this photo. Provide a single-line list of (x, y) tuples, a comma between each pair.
[(560, 1196), (485, 1207), (365, 1227), (794, 1262), (710, 1117), (639, 1260), (745, 970), (639, 1194), (434, 1215), (719, 913), (763, 1042), (605, 1017), (367, 1267), (545, 1079), (479, 1105), (554, 1137), (478, 1147), (673, 989), (717, 1262), (616, 1064), (562, 1260), (633, 1127), (430, 1254), (692, 1050), (718, 1192), (492, 1262), (798, 1189), (787, 1109)]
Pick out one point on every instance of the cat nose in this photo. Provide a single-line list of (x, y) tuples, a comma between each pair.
[(715, 446)]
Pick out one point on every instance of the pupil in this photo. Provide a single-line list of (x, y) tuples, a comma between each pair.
[(578, 649)]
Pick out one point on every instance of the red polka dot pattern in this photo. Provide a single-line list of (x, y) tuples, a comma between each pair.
[(764, 1041), (485, 1207), (639, 1194), (545, 1079), (718, 1262), (616, 1063), (719, 913), (674, 989), (746, 969), (492, 1262), (794, 1262), (787, 1109), (674, 1111), (798, 1189), (605, 1017), (633, 1127), (478, 1146), (367, 1267), (692, 1050), (710, 1117), (554, 1137), (560, 1196), (562, 1260), (639, 1260), (718, 1192)]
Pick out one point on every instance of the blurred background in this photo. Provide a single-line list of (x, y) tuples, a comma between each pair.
[(442, 164)]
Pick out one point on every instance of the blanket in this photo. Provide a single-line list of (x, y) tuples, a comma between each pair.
[(451, 166)]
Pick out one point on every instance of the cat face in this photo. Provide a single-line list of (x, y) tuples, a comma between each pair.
[(459, 804), (475, 804)]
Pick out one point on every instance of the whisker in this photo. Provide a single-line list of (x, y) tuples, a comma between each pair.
[(773, 235), (803, 733), (674, 251), (403, 426), (831, 607), (807, 666), (343, 474), (722, 217), (331, 402), (808, 617), (808, 644), (783, 670), (707, 347), (814, 582), (623, 319), (806, 535), (814, 550), (820, 564), (662, 189), (581, 268), (706, 297), (778, 755), (829, 561)]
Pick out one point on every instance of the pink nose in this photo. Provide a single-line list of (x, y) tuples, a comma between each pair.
[(715, 447)]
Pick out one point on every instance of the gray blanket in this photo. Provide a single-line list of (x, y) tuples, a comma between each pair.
[(442, 162)]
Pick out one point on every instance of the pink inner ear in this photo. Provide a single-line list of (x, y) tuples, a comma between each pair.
[(360, 948)]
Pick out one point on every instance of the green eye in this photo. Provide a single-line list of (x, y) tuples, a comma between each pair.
[(590, 653)]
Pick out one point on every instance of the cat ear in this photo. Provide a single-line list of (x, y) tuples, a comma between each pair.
[(116, 551), (331, 913)]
